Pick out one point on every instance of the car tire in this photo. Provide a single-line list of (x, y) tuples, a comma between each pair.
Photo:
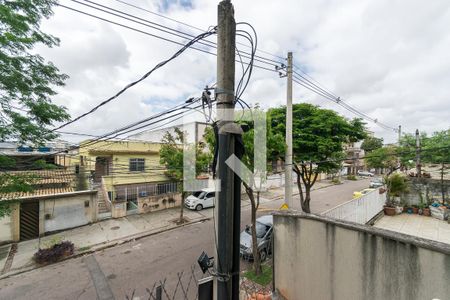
[(262, 255), (199, 207)]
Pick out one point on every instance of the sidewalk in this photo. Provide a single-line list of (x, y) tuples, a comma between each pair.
[(97, 236), (111, 232)]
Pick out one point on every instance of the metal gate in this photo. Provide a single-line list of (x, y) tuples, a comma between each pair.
[(29, 220)]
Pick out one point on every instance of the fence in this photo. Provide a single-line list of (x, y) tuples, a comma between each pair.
[(360, 210), (183, 285), (193, 284), (133, 191)]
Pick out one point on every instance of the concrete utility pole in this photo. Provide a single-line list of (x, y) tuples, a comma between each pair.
[(288, 158), (227, 207), (399, 144), (418, 165)]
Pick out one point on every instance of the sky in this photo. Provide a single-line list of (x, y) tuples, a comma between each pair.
[(387, 58)]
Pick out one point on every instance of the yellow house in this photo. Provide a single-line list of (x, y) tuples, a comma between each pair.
[(127, 172)]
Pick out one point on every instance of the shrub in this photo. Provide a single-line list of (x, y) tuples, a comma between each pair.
[(397, 184), (351, 177), (54, 253), (335, 181)]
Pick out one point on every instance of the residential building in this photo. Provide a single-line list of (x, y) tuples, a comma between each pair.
[(26, 155), (195, 131), (354, 161), (54, 203), (128, 175)]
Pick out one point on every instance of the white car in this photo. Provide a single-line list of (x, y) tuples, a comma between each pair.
[(201, 199), (365, 173)]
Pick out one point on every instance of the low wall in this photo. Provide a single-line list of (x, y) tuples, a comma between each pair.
[(159, 202), (320, 258), (426, 190), (360, 210)]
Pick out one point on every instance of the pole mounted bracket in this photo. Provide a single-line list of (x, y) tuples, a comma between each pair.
[(218, 91), (229, 127)]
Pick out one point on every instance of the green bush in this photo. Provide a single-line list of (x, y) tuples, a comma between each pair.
[(397, 184), (351, 177), (335, 181)]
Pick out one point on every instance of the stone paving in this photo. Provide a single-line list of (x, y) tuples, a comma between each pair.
[(417, 225)]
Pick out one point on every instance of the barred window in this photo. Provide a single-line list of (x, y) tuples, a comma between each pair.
[(137, 164)]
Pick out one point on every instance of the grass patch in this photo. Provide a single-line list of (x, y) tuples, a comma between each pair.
[(264, 279)]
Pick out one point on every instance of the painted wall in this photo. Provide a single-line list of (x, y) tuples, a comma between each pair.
[(67, 212), (9, 225), (155, 203), (6, 229), (318, 258), (120, 154)]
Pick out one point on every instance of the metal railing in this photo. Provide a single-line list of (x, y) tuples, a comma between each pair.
[(105, 195), (360, 210)]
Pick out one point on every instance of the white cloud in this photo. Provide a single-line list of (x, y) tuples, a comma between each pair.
[(387, 58)]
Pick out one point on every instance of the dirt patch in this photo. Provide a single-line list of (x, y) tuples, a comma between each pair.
[(180, 222)]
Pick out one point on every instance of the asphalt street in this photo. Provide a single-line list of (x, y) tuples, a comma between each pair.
[(136, 266)]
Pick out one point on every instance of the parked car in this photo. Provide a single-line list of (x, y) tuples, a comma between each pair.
[(364, 173), (362, 193), (264, 229), (375, 183), (201, 199)]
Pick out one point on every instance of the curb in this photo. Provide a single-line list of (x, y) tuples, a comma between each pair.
[(106, 245)]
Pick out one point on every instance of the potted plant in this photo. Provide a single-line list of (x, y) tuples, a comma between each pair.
[(421, 207), (415, 209), (396, 185)]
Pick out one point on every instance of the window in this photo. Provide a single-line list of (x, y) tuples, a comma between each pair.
[(137, 164)]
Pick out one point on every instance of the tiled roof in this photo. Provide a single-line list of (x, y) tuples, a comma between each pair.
[(37, 192), (45, 182), (47, 176)]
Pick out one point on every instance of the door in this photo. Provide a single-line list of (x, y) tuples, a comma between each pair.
[(29, 220), (209, 199)]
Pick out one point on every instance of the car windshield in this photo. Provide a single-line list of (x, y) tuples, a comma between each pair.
[(199, 194), (261, 230)]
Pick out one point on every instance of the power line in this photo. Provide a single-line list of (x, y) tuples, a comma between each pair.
[(159, 65), (327, 95), (162, 28), (197, 28), (155, 36)]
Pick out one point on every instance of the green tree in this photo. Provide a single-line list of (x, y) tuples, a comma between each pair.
[(27, 82), (318, 139), (171, 156), (383, 158), (371, 143), (437, 151)]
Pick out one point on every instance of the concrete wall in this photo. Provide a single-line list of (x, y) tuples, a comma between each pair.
[(67, 211), (320, 258), (159, 202), (9, 225), (6, 229), (426, 190)]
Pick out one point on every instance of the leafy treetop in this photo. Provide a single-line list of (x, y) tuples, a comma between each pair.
[(27, 81)]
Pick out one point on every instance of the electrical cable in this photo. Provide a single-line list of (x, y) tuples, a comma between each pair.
[(159, 65)]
